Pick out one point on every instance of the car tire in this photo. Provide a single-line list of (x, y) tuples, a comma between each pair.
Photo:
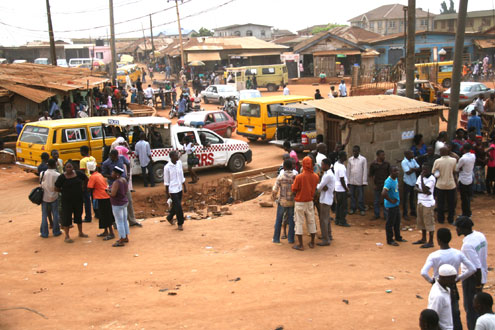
[(157, 171), (228, 133), (221, 101), (271, 87), (446, 83), (237, 163), (205, 100)]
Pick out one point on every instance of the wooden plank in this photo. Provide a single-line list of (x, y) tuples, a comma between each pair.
[(255, 172)]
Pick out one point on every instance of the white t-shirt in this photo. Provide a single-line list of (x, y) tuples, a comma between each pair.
[(319, 158), (485, 322), (423, 199), (438, 145), (466, 162), (328, 180), (475, 247), (286, 91), (439, 301), (148, 92), (282, 171), (450, 256), (340, 171)]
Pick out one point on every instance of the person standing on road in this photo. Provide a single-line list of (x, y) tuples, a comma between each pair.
[(293, 155), (192, 160), (474, 247), (439, 298), (475, 123), (59, 162), (175, 184), (341, 190), (428, 320), (342, 89), (50, 199), (286, 90), (490, 172), (444, 170), (390, 194), (98, 185), (357, 170), (483, 303), (86, 157), (326, 188), (71, 184), (321, 153), (143, 152), (465, 168), (379, 171), (304, 187), (454, 257), (285, 205), (118, 198), (410, 167), (425, 186)]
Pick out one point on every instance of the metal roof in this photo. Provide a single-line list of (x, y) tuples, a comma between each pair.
[(33, 94), (386, 12), (373, 106), (277, 99)]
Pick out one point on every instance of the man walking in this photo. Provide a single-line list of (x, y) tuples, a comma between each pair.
[(342, 88), (465, 168), (425, 219), (474, 247), (390, 194), (175, 183), (326, 188), (304, 187), (439, 299), (357, 171), (454, 257), (50, 199), (86, 157), (410, 167), (341, 190), (444, 169), (143, 152), (285, 203), (379, 171)]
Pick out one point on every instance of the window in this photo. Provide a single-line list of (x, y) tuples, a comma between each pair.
[(99, 55), (271, 109), (486, 21), (249, 33), (250, 72), (237, 33), (475, 88), (96, 132), (262, 33), (445, 68), (210, 138), (379, 24), (391, 24), (372, 25), (34, 134), (182, 135), (268, 70), (218, 117), (483, 87), (444, 25), (73, 135), (424, 22), (250, 110)]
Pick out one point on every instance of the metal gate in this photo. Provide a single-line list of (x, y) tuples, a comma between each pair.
[(394, 55)]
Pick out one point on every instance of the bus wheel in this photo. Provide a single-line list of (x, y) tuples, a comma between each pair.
[(446, 83), (271, 87), (157, 170)]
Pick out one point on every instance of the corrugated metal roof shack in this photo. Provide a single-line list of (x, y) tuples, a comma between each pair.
[(374, 122)]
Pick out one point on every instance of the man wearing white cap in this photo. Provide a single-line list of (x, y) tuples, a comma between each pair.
[(439, 299)]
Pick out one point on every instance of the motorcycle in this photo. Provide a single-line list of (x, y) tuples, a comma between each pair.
[(174, 111), (230, 106), (194, 104)]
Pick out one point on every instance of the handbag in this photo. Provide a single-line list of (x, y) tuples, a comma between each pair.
[(36, 195)]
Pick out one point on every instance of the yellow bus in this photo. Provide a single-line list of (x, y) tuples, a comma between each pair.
[(132, 69), (441, 70), (270, 77)]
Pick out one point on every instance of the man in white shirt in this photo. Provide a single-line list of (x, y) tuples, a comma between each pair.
[(50, 199), (143, 152), (357, 172), (322, 151), (45, 117), (425, 219), (465, 167), (326, 188), (148, 93), (483, 303), (474, 247), (286, 90), (454, 257), (439, 299), (342, 88), (341, 190), (173, 178)]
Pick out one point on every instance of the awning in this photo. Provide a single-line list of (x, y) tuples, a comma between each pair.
[(209, 56), (33, 94), (487, 43), (337, 52), (254, 54)]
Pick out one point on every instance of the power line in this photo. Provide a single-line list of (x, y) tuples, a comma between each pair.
[(96, 9)]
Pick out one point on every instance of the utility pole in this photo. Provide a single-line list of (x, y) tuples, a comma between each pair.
[(411, 35), (113, 66), (53, 53), (145, 47), (180, 34), (405, 30), (456, 70), (152, 42)]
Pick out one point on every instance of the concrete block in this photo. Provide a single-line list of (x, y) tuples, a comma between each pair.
[(391, 145)]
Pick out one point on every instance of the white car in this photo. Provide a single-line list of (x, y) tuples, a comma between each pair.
[(62, 62), (249, 94), (19, 61), (218, 93)]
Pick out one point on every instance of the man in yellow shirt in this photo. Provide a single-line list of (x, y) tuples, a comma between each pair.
[(86, 157)]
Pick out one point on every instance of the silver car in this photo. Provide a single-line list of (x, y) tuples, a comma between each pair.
[(218, 93), (468, 92)]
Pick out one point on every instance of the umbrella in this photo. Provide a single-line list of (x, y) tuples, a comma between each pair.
[(196, 63)]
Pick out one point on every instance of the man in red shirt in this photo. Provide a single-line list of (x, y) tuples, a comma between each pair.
[(304, 187)]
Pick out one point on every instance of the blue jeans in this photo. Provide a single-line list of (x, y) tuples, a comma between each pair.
[(87, 205), (45, 209), (278, 223), (356, 193), (377, 203), (120, 215)]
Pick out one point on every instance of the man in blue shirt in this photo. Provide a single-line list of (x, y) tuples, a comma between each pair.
[(182, 105), (390, 194), (475, 121), (19, 126), (410, 167)]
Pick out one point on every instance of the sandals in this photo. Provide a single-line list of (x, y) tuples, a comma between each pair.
[(102, 235), (311, 245), (68, 240), (109, 237), (118, 244), (297, 247), (419, 242), (83, 235)]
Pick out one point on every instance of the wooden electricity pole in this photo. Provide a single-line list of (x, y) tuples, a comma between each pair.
[(456, 70), (53, 53), (113, 66), (152, 42), (180, 35), (411, 36)]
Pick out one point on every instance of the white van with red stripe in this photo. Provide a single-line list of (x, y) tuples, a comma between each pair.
[(211, 149)]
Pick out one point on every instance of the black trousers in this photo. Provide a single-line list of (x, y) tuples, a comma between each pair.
[(468, 292), (177, 208), (442, 197), (148, 176), (466, 193), (408, 197), (341, 207), (392, 226)]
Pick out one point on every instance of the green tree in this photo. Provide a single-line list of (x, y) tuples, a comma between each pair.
[(449, 10), (325, 28), (203, 32)]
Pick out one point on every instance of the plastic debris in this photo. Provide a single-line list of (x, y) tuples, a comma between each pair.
[(388, 291), (379, 244), (85, 264), (345, 301)]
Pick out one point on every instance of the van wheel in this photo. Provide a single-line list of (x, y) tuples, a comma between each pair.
[(446, 83), (228, 133), (271, 87), (237, 163), (205, 100), (252, 139), (157, 170), (221, 101)]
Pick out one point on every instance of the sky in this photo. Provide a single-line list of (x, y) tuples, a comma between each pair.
[(25, 20)]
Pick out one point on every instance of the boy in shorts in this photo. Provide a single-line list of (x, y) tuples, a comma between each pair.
[(425, 185)]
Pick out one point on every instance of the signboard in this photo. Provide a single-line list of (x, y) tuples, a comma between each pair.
[(407, 135), (341, 55)]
